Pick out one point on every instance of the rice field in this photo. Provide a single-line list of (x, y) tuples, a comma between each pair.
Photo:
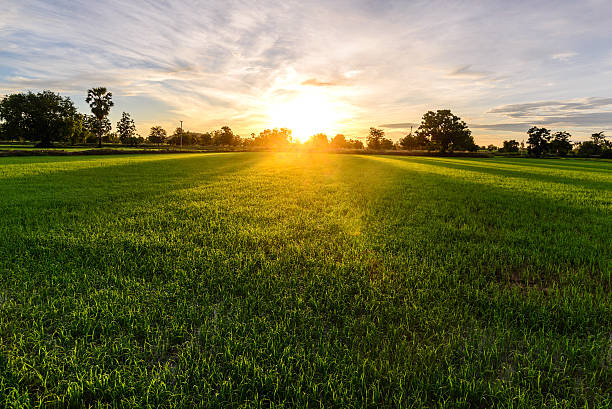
[(285, 280)]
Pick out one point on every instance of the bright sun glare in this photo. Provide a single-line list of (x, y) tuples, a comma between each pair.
[(310, 112)]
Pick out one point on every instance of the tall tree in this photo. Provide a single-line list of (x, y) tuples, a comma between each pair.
[(413, 141), (537, 141), (319, 141), (560, 143), (100, 101), (338, 141), (101, 128), (446, 131), (375, 138), (205, 139), (510, 146), (354, 144), (225, 136), (596, 146), (157, 135), (126, 130), (44, 116), (599, 139), (273, 138)]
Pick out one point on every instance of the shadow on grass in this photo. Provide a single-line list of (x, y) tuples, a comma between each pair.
[(581, 165), (522, 172), (484, 236), (344, 317)]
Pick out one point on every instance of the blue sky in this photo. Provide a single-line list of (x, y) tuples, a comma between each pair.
[(327, 66)]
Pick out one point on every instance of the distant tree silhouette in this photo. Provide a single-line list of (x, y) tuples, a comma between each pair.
[(560, 143), (273, 138), (409, 142), (598, 145), (205, 139), (101, 129), (157, 135), (491, 148), (338, 142), (600, 139), (44, 116), (80, 130), (185, 137), (354, 144), (177, 137), (126, 130), (537, 141), (225, 136), (510, 146), (318, 141), (376, 140), (387, 144), (446, 131), (100, 101)]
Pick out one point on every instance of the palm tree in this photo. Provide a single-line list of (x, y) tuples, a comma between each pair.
[(100, 101)]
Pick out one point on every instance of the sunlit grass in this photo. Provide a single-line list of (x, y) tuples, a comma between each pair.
[(292, 280)]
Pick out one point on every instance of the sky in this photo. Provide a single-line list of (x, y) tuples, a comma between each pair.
[(321, 65)]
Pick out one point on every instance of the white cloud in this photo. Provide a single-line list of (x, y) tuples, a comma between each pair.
[(563, 56), (218, 62)]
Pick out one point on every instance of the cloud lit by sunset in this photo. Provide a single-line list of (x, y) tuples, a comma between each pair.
[(319, 66)]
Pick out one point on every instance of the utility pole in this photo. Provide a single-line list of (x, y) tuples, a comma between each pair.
[(181, 135)]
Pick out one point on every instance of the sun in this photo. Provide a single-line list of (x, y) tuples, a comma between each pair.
[(307, 112)]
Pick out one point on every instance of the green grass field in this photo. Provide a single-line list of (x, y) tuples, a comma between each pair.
[(313, 280), (31, 147)]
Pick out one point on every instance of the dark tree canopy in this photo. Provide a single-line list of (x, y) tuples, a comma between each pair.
[(446, 131), (100, 101), (126, 130), (224, 136), (411, 142), (157, 135), (538, 141), (276, 138), (560, 143), (338, 141), (376, 140), (354, 144), (44, 116), (510, 146), (598, 145), (319, 141), (101, 128)]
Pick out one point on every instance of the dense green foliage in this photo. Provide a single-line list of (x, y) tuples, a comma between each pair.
[(44, 117), (100, 101), (445, 131), (296, 280), (376, 140), (157, 135), (126, 131), (510, 146)]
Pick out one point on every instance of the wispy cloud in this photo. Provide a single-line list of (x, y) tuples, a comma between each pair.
[(469, 72), (221, 62), (563, 56), (513, 127), (318, 83), (401, 125), (583, 113), (551, 108)]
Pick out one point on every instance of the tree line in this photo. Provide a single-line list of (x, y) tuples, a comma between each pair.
[(47, 117), (543, 142)]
